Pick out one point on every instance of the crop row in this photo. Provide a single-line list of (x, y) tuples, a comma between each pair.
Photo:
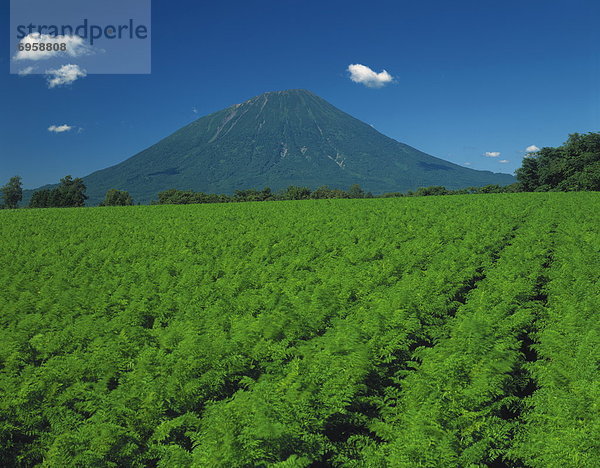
[(561, 424), (458, 406)]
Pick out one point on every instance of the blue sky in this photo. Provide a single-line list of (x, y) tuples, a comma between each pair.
[(469, 78)]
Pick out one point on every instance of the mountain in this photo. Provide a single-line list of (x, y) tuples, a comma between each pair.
[(279, 139)]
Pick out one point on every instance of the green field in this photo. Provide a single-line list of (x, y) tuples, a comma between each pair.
[(455, 331)]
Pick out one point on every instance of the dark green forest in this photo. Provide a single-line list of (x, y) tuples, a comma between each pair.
[(571, 167)]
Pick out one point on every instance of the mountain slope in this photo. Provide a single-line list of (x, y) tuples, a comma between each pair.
[(278, 139)]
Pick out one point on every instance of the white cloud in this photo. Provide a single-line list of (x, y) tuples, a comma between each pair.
[(75, 47), (504, 161), (194, 110), (532, 149), (65, 75), (364, 75), (492, 154), (59, 128), (467, 164), (26, 71)]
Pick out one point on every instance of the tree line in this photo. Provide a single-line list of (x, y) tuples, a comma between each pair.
[(185, 197), (70, 193), (573, 166)]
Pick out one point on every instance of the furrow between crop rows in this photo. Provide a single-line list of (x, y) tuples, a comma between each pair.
[(448, 412), (561, 419), (329, 392)]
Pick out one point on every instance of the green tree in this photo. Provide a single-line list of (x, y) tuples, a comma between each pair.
[(493, 188), (253, 195), (12, 192), (116, 197), (296, 193), (70, 193), (573, 166), (325, 192), (356, 191), (433, 190), (527, 174), (41, 199), (267, 194)]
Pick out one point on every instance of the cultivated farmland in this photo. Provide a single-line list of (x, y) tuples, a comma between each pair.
[(455, 331)]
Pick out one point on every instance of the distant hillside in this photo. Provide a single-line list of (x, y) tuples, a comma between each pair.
[(279, 139)]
